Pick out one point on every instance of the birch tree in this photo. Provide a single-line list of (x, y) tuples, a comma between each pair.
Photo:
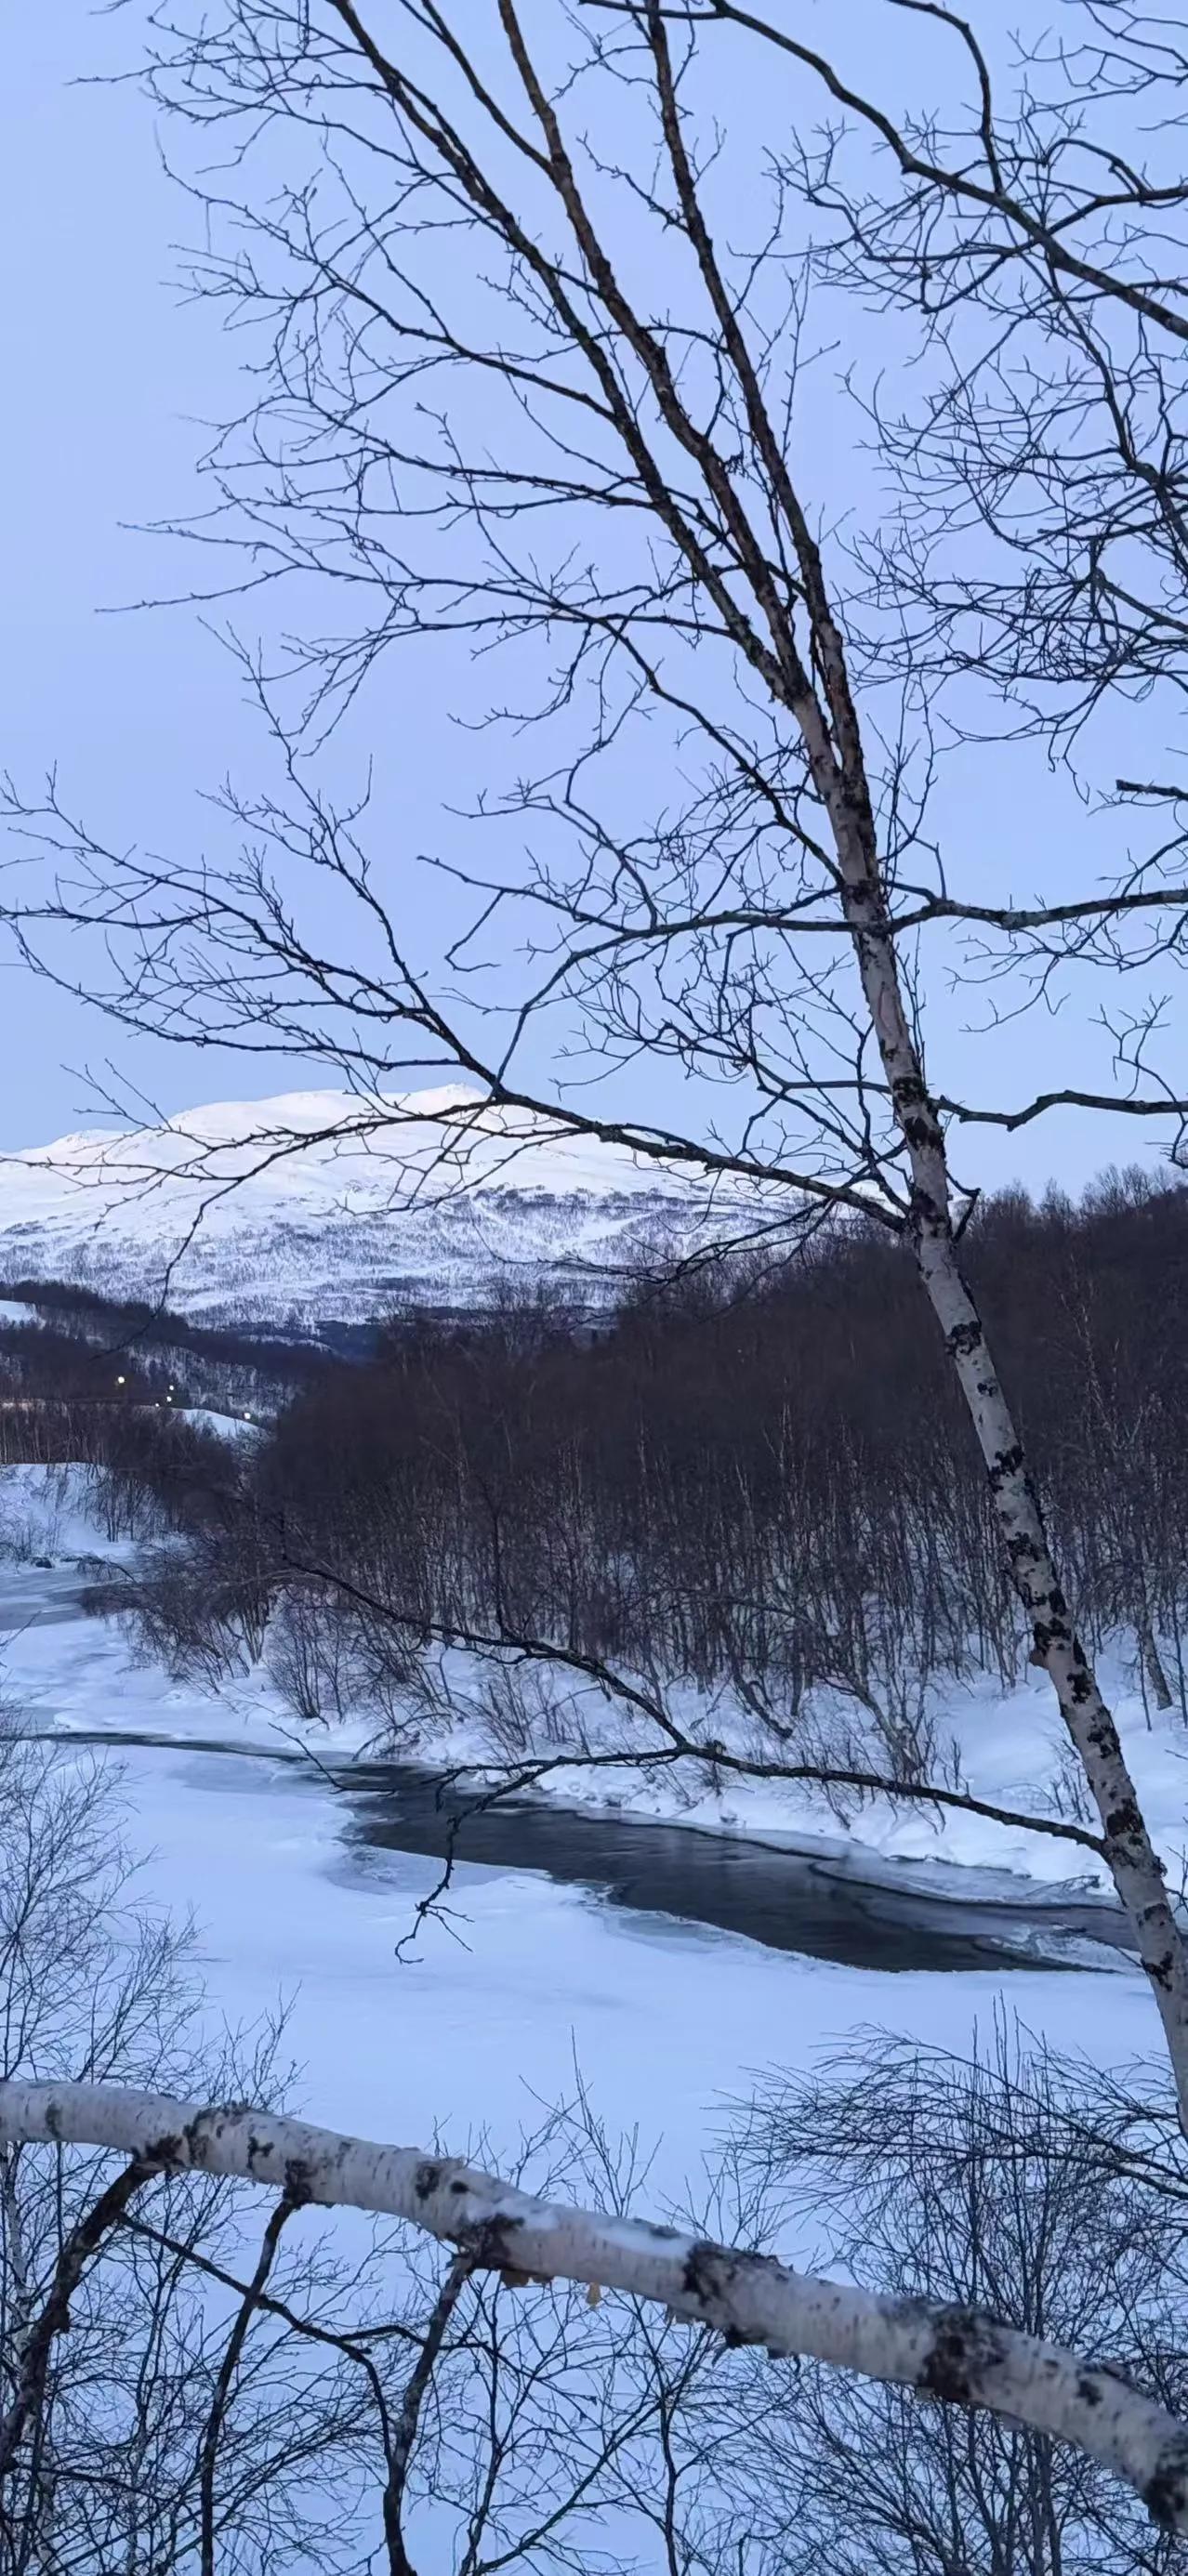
[(580, 434), (422, 445), (957, 2354)]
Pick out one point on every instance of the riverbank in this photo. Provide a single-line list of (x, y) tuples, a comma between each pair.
[(484, 2022), (823, 1896), (1006, 1746)]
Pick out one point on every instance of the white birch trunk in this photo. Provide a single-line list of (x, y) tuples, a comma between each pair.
[(1134, 1865), (956, 2354), (836, 761), (832, 738)]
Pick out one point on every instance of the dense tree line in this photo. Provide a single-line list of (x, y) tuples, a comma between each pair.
[(757, 1478), (60, 1341)]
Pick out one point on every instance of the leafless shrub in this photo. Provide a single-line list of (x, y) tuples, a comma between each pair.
[(102, 2442), (1009, 2182)]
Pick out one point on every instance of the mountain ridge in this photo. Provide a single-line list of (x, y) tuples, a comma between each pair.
[(317, 1206)]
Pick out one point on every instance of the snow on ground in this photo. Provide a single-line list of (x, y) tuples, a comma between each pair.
[(664, 2020), (73, 1674), (82, 1674), (471, 2037), (486, 2018), (227, 1426), (469, 2040), (482, 2026), (1009, 1746), (49, 1517), (666, 2014), (483, 2023), (1009, 1750)]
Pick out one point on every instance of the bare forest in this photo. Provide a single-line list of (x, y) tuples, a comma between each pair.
[(704, 544)]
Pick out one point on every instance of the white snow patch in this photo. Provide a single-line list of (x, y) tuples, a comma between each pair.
[(1008, 1745), (49, 1517), (226, 1426), (664, 2019), (321, 1204)]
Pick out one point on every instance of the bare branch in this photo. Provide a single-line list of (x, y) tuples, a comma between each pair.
[(954, 2354)]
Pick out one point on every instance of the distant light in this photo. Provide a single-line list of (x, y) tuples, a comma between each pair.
[(120, 1381)]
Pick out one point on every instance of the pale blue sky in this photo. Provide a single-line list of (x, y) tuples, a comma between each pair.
[(107, 374), (111, 375)]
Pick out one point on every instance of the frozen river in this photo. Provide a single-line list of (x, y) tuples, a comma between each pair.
[(485, 2018), (669, 1964)]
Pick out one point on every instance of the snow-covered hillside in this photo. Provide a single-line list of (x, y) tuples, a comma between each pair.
[(319, 1207)]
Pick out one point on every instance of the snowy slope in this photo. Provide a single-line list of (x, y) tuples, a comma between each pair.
[(317, 1206)]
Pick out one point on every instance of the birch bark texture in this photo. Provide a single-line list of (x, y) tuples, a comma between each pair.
[(1134, 1864), (955, 2355), (828, 719)]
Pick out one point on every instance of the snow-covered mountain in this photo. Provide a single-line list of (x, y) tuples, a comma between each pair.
[(317, 1207)]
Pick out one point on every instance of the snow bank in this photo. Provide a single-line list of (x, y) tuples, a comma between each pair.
[(1009, 1749), (49, 1518), (226, 1426)]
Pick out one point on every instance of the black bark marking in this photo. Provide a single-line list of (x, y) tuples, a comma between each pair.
[(908, 1091), (196, 2139), (298, 2180), (261, 2154), (490, 2243), (963, 1340), (966, 2346), (1166, 2494), (709, 2277), (1007, 1465), (702, 2277)]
